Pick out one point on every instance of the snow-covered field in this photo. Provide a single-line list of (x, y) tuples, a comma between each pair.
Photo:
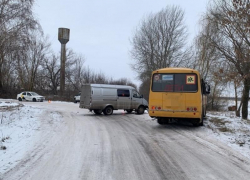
[(21, 125)]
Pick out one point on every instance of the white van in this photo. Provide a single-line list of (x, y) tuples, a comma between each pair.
[(106, 98)]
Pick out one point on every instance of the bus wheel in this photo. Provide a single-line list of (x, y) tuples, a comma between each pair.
[(98, 111), (163, 121), (108, 110), (140, 110), (195, 124), (160, 121), (203, 112), (198, 123), (201, 123)]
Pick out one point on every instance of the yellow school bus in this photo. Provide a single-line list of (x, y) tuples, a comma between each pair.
[(178, 94)]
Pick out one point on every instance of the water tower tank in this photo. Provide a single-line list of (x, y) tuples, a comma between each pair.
[(63, 35)]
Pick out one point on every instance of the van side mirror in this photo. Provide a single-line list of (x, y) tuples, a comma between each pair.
[(141, 96)]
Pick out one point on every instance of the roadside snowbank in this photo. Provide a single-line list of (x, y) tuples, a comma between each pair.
[(20, 128), (231, 130)]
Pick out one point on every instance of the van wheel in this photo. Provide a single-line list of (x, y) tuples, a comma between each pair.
[(140, 110), (129, 110), (108, 110), (34, 99), (98, 111), (20, 99)]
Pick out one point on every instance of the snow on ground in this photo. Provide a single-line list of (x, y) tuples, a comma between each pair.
[(231, 130), (21, 125)]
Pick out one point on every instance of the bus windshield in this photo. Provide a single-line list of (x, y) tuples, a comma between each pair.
[(174, 82)]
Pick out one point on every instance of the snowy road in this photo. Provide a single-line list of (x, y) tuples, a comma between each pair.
[(125, 146)]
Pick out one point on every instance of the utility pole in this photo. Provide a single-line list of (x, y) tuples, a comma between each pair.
[(63, 37)]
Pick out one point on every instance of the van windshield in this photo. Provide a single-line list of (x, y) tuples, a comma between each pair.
[(163, 82)]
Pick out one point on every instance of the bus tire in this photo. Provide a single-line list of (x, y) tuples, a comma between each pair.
[(108, 110), (201, 123), (198, 122), (203, 112), (195, 124), (160, 121)]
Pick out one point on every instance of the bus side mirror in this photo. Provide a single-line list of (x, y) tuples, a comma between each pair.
[(207, 89)]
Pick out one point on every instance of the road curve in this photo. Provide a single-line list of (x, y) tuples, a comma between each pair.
[(125, 146)]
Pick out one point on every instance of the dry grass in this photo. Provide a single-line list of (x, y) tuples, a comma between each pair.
[(10, 108), (218, 121), (225, 129), (220, 124)]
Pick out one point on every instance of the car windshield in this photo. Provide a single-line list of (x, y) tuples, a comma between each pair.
[(34, 94), (79, 94)]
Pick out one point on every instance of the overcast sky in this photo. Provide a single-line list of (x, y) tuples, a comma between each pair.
[(101, 30)]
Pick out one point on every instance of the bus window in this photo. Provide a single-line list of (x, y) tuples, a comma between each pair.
[(174, 83), (186, 82), (163, 82)]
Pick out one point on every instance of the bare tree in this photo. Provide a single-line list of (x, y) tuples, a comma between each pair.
[(31, 59), (207, 56), (159, 42), (144, 88), (88, 74), (16, 24), (76, 73), (51, 73), (231, 19), (122, 81), (100, 78)]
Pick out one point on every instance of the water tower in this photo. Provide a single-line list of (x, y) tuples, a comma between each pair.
[(63, 37)]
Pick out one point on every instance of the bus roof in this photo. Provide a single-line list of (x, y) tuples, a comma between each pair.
[(175, 70)]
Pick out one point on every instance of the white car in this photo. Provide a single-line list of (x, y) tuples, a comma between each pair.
[(77, 98), (30, 96)]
